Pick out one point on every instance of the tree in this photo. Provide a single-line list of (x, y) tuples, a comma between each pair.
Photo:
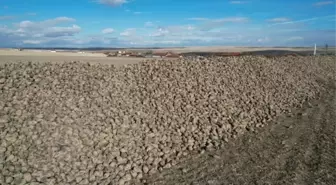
[(150, 52)]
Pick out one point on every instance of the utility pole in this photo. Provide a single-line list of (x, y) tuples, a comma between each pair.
[(326, 49)]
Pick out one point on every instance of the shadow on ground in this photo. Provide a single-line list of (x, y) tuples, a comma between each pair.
[(296, 149)]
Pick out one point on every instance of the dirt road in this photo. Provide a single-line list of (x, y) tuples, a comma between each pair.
[(297, 149)]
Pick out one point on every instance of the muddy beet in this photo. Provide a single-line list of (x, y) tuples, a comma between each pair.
[(79, 123)]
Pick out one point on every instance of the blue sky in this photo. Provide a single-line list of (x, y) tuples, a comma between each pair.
[(145, 23)]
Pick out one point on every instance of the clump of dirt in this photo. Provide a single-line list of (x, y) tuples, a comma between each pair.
[(78, 123)]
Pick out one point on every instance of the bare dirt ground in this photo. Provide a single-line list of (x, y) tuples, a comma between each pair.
[(11, 55), (115, 61), (219, 49), (297, 149), (45, 56), (237, 49)]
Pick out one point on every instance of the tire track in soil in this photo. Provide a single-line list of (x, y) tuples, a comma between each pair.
[(297, 149)]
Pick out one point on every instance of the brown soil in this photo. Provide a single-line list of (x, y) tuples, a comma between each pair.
[(117, 61), (297, 149)]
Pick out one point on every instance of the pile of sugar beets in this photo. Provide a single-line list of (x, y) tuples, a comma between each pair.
[(81, 123)]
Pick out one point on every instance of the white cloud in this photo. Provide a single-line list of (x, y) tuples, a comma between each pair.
[(197, 19), (62, 31), (137, 13), (209, 24), (25, 24), (112, 2), (6, 17), (222, 20), (128, 32), (232, 19), (297, 21), (32, 42), (263, 40), (44, 24), (47, 31), (294, 38), (169, 42), (62, 19), (323, 3), (171, 30), (238, 2), (160, 32), (216, 23), (190, 28), (279, 19), (4, 29), (32, 13), (107, 30), (149, 24), (304, 20)]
